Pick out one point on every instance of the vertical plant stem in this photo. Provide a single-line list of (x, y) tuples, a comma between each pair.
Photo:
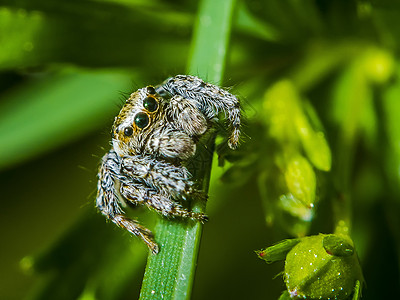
[(170, 274), (356, 94), (210, 39)]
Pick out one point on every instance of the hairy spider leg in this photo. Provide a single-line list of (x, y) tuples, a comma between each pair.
[(159, 202), (160, 175), (156, 182), (210, 100), (107, 200)]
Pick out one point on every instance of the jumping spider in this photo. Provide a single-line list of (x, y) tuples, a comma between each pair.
[(155, 132)]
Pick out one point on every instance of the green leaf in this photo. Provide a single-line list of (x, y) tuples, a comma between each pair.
[(19, 31), (391, 106), (314, 141), (314, 144), (210, 42), (250, 23), (285, 296), (353, 102), (49, 113), (278, 251), (33, 33), (300, 179), (289, 123), (82, 264), (281, 103)]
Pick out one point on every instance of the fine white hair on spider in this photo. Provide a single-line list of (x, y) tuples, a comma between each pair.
[(154, 134)]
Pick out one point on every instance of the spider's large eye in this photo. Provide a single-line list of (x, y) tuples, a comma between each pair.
[(150, 104), (141, 120), (128, 131), (151, 90)]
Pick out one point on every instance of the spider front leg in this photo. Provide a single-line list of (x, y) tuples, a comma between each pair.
[(160, 176), (160, 184), (208, 98), (108, 199), (159, 202)]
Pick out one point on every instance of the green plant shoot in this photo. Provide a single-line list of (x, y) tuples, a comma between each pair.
[(323, 266)]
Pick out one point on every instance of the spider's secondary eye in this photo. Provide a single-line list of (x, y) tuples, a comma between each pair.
[(128, 131), (151, 90), (141, 120), (150, 104)]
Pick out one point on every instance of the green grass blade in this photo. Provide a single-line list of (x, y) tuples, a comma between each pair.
[(170, 274), (210, 40), (81, 265), (49, 113)]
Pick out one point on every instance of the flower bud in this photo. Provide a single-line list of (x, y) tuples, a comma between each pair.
[(322, 267)]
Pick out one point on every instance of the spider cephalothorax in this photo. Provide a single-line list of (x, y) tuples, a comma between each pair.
[(155, 132)]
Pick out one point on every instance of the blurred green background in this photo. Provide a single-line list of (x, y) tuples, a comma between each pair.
[(319, 83)]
